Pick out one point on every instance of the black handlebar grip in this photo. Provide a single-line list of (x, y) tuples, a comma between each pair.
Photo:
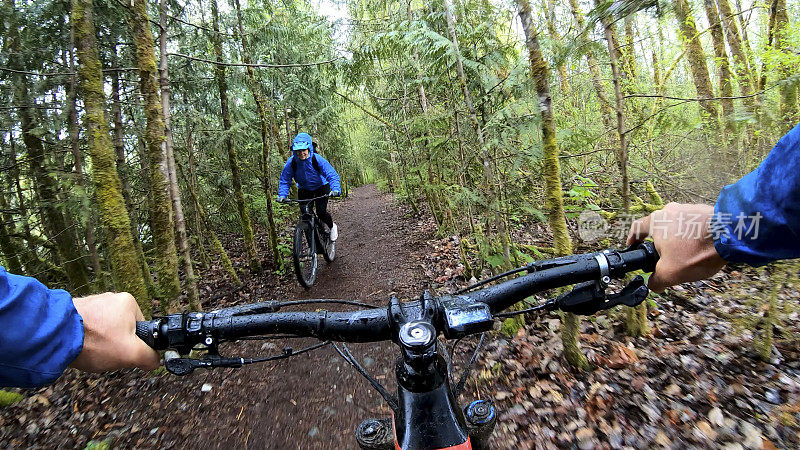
[(145, 329), (651, 256)]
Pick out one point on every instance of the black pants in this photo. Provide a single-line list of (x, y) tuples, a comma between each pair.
[(320, 204)]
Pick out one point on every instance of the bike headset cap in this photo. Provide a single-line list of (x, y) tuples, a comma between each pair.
[(302, 142)]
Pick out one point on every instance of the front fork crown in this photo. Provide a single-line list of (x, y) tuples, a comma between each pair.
[(481, 417)]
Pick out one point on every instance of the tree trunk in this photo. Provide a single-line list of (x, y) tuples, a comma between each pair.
[(741, 61), (549, 8), (113, 214), (77, 274), (192, 183), (267, 139), (619, 106), (161, 205), (130, 206), (488, 173), (555, 200), (594, 72), (77, 156), (11, 250), (697, 60), (222, 84), (216, 245), (190, 282), (725, 77), (784, 44)]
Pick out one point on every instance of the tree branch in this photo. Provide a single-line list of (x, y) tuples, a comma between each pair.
[(266, 65)]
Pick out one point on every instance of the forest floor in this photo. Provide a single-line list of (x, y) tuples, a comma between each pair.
[(693, 383)]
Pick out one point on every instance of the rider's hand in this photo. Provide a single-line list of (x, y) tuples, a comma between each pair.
[(681, 236), (281, 198), (335, 193), (110, 341)]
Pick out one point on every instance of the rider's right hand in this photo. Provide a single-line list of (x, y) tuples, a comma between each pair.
[(110, 341), (281, 198), (681, 236)]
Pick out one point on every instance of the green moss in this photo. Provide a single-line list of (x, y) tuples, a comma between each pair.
[(511, 326), (108, 188), (552, 174), (216, 245), (9, 398), (98, 445), (161, 219)]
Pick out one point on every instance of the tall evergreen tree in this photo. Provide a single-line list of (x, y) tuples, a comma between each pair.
[(161, 203), (113, 214)]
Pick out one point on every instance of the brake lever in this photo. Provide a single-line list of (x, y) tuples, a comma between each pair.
[(588, 298), (184, 366)]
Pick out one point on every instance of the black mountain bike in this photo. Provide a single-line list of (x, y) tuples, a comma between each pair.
[(310, 239), (426, 414)]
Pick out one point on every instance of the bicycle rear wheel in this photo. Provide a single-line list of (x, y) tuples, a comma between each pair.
[(304, 255)]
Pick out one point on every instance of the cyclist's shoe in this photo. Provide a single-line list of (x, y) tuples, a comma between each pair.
[(334, 232)]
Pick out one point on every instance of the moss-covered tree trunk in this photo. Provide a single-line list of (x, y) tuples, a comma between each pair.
[(222, 85), (45, 184), (268, 140), (742, 63), (189, 281), (725, 75), (122, 163), (77, 157), (549, 9), (619, 109), (161, 205), (113, 214), (786, 47), (552, 173), (697, 60)]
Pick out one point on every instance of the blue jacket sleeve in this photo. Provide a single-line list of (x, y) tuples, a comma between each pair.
[(757, 219), (330, 173), (286, 179), (41, 333)]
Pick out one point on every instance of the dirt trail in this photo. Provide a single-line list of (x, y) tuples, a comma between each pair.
[(312, 401), (316, 401)]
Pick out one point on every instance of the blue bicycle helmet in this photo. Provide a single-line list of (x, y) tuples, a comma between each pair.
[(302, 142)]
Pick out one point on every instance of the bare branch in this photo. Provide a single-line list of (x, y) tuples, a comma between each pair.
[(265, 65)]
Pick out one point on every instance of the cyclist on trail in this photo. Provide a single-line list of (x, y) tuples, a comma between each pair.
[(42, 331), (315, 177)]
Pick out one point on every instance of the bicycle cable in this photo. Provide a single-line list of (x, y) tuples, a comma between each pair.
[(347, 356), (287, 352), (465, 374), (491, 279)]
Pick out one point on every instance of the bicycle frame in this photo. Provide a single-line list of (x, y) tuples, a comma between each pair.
[(309, 214), (427, 414)]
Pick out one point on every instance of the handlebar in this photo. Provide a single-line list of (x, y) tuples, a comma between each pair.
[(307, 200), (452, 315)]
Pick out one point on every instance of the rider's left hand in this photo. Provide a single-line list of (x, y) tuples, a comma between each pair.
[(335, 193)]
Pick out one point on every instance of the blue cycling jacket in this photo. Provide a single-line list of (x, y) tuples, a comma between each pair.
[(41, 333), (306, 176), (758, 217)]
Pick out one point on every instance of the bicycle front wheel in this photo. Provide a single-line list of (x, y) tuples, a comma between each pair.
[(304, 255)]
